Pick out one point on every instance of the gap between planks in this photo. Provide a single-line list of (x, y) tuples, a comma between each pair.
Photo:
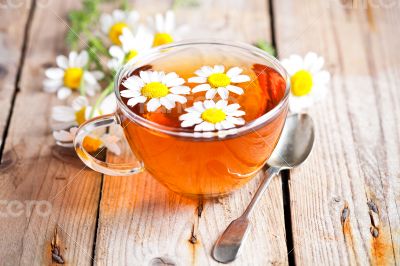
[(24, 46)]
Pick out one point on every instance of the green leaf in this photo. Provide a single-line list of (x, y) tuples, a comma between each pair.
[(266, 46)]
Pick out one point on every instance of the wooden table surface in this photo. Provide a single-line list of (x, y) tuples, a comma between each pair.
[(341, 208)]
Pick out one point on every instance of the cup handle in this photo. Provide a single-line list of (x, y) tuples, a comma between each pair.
[(113, 169)]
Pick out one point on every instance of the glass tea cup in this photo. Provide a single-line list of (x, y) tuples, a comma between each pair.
[(191, 163)]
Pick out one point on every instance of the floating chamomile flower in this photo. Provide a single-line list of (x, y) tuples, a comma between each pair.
[(216, 81), (70, 75), (162, 89), (164, 28), (92, 143), (309, 83), (210, 116), (132, 45), (113, 24)]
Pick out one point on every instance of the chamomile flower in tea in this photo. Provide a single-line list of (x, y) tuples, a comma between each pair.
[(210, 116), (155, 88), (213, 80), (71, 75), (114, 24)]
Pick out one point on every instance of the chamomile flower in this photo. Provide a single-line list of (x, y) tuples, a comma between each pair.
[(74, 115), (213, 80), (165, 29), (158, 88), (113, 24), (132, 45), (309, 83), (210, 116), (92, 143), (70, 75)]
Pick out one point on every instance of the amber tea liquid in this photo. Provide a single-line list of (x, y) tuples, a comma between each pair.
[(208, 166)]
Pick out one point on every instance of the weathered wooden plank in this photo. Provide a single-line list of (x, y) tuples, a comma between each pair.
[(142, 223), (355, 165), (11, 49), (34, 170)]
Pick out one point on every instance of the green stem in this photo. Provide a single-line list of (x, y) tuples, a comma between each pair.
[(102, 96)]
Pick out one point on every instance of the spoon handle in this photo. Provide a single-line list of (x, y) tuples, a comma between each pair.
[(270, 174)]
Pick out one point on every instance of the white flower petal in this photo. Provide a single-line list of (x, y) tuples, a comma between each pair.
[(205, 126), (240, 79), (209, 104), (234, 71), (197, 107), (169, 21), (82, 59), (79, 102), (177, 98), (167, 103), (235, 120), (207, 70), (140, 99), (201, 73), (133, 83), (190, 116), (223, 92), (219, 69), (221, 104), (227, 125), (153, 105), (63, 114), (235, 89), (72, 58), (175, 82), (180, 90), (89, 78), (309, 60), (106, 22), (145, 76), (109, 104), (191, 122), (63, 136), (54, 73), (62, 61), (202, 87), (118, 15), (169, 77), (51, 85), (197, 80), (63, 93), (211, 93), (130, 93), (232, 107)]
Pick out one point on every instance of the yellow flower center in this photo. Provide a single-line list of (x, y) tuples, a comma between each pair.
[(213, 115), (116, 31), (73, 77), (161, 38), (301, 82), (155, 90), (130, 55), (219, 80), (80, 116), (91, 144)]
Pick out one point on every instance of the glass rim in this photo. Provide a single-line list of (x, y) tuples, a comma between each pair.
[(183, 132)]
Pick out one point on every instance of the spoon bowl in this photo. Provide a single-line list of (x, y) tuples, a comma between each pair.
[(295, 143)]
